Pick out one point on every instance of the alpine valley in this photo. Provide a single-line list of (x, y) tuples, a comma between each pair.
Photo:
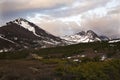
[(27, 52), (21, 34)]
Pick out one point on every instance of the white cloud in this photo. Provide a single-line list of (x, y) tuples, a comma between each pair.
[(68, 16), (32, 4)]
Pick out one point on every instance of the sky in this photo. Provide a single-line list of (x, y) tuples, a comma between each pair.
[(65, 17)]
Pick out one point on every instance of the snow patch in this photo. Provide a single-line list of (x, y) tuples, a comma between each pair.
[(82, 37), (76, 60), (82, 55), (103, 58), (27, 26), (7, 40), (114, 41), (1, 51)]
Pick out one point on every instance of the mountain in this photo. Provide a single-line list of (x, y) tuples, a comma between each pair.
[(22, 34), (85, 37), (25, 34), (104, 38)]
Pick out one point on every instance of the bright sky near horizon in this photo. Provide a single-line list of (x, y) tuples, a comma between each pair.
[(62, 17)]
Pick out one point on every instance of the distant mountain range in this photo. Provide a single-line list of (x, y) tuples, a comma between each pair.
[(84, 37), (22, 34)]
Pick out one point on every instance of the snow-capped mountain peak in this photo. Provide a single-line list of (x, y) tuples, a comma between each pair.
[(82, 33), (83, 37), (26, 33), (20, 20), (25, 24), (92, 35)]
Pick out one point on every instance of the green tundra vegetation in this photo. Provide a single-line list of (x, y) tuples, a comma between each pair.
[(55, 65), (108, 70), (111, 50)]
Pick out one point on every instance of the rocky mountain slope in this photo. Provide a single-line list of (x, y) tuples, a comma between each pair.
[(85, 37), (22, 34), (25, 34)]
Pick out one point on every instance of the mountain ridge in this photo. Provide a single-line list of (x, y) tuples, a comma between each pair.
[(28, 35), (22, 34), (85, 37)]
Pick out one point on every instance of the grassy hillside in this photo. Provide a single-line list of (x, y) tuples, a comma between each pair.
[(108, 70), (90, 49), (72, 62)]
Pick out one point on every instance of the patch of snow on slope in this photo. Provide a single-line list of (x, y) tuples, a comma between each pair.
[(77, 38), (1, 51), (7, 40), (113, 41), (103, 58), (83, 37), (26, 25)]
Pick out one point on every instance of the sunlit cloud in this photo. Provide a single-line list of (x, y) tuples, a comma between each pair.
[(62, 17)]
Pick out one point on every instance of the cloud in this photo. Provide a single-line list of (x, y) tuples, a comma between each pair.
[(108, 25), (115, 10), (63, 7), (62, 17), (100, 19), (32, 4), (56, 26)]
